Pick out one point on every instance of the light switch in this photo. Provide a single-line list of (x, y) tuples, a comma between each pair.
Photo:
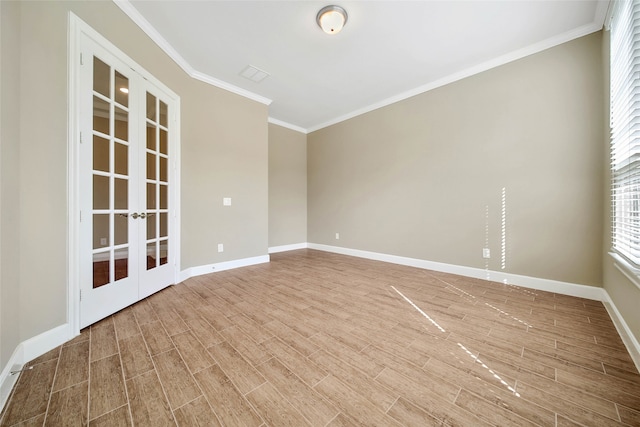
[(226, 201), (220, 247)]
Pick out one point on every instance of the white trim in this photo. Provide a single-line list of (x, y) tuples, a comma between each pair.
[(630, 272), (608, 13), (287, 125), (154, 35), (492, 63), (176, 234), (565, 288), (595, 293), (46, 341), (285, 248), (221, 266), (29, 350), (229, 87), (626, 335), (8, 381), (73, 174)]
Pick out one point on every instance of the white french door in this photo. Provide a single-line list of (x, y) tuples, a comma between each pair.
[(128, 131)]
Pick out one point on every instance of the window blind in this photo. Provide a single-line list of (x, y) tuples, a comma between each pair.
[(625, 129)]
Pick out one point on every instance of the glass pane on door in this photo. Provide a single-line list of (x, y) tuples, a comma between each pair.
[(101, 269), (101, 77), (157, 162), (100, 154), (110, 173), (122, 263)]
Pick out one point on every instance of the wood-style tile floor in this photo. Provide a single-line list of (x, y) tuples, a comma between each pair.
[(321, 339)]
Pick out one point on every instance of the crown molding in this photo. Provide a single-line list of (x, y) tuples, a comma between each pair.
[(157, 38), (596, 25), (287, 125), (582, 31)]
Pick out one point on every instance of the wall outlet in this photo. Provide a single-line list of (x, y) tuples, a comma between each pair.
[(226, 201), (220, 247), (103, 241), (486, 253), (337, 236)]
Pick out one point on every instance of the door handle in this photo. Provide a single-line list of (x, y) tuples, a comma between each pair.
[(136, 215)]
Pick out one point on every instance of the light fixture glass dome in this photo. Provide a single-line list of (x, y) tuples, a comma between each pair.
[(331, 19)]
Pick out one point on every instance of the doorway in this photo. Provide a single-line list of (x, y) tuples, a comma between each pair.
[(128, 124)]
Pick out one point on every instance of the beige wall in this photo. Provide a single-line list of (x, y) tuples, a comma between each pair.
[(224, 154), (287, 186), (624, 293), (9, 180), (424, 177)]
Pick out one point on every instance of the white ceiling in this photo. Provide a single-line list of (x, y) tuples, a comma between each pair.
[(388, 51)]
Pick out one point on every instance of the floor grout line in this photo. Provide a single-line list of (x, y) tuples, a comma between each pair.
[(55, 375), (124, 378)]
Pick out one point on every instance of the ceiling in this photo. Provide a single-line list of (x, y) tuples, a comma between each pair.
[(388, 50)]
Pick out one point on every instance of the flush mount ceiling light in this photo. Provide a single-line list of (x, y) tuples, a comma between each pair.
[(331, 19)]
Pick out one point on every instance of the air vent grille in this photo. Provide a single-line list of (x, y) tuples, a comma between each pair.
[(254, 74)]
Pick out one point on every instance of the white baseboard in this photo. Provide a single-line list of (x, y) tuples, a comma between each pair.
[(285, 248), (8, 381), (221, 266), (28, 350), (582, 291), (46, 341), (572, 289), (627, 336)]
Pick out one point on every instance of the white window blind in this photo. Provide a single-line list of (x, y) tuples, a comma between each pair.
[(625, 129)]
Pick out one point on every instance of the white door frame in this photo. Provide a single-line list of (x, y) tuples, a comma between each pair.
[(78, 29)]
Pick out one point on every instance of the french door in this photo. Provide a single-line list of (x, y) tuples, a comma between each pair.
[(128, 130)]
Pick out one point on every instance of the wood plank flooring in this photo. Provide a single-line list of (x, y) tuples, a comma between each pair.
[(320, 339)]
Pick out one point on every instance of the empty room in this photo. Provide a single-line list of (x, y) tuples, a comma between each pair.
[(306, 213)]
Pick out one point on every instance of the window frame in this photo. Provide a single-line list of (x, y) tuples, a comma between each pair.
[(624, 103)]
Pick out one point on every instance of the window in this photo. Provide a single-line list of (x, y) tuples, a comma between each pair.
[(625, 130)]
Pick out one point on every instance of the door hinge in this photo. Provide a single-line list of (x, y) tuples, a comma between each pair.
[(81, 62), (80, 137), (80, 216), (80, 294)]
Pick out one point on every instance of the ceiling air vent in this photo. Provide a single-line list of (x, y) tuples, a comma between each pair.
[(254, 74)]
